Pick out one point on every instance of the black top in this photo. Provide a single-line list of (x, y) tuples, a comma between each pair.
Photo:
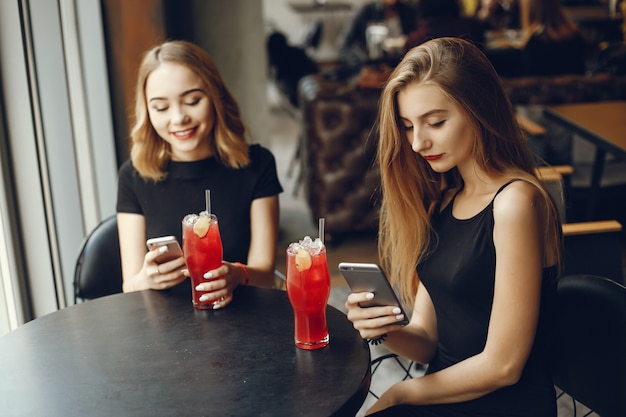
[(543, 56), (460, 276), (149, 353), (165, 203)]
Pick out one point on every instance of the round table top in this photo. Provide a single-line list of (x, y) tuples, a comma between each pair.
[(152, 353)]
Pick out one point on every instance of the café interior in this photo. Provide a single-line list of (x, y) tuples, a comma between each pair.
[(64, 122)]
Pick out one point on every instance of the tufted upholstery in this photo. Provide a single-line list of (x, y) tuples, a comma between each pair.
[(341, 181), (564, 89)]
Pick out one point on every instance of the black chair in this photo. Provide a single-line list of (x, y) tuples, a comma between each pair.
[(593, 248), (589, 362), (590, 247), (98, 270), (402, 368)]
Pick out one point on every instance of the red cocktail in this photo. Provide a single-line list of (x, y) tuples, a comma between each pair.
[(308, 288), (202, 248)]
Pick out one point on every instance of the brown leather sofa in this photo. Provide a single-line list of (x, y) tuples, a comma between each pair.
[(564, 89), (340, 177)]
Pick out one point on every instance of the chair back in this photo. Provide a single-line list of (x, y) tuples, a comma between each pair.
[(589, 361), (98, 270), (593, 248)]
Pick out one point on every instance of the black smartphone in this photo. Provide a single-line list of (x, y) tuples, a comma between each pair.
[(173, 248), (368, 277)]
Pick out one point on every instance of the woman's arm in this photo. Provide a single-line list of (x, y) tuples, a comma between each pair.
[(264, 217), (139, 268), (418, 340), (518, 213)]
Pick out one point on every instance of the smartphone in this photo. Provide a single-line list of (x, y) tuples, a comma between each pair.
[(173, 248), (367, 277)]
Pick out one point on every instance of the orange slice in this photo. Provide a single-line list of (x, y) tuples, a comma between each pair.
[(201, 227), (303, 260)]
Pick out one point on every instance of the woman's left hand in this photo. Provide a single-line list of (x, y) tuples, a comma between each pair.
[(219, 285)]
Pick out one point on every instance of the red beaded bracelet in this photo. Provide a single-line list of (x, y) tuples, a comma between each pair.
[(245, 272)]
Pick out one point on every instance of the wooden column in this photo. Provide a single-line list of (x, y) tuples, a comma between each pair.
[(131, 28)]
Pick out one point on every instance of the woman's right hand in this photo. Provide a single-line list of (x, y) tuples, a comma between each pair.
[(372, 322), (157, 276)]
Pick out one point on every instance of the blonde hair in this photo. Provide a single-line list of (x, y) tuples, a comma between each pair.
[(411, 190), (149, 153)]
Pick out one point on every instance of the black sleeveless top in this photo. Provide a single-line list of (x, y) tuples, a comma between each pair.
[(459, 275)]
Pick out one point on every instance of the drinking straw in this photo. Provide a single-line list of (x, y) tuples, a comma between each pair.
[(207, 197), (320, 230)]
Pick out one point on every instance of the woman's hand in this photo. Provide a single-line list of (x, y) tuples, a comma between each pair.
[(221, 283), (372, 322), (162, 276)]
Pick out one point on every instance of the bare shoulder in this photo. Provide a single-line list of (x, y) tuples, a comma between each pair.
[(521, 217), (519, 201)]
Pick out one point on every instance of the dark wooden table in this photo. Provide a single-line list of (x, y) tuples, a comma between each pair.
[(149, 353), (601, 123)]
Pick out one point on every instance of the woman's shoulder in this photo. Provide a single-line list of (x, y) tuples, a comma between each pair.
[(519, 188), (518, 199), (127, 168), (259, 153), (263, 169)]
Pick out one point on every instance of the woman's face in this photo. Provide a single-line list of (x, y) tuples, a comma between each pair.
[(435, 127), (180, 111)]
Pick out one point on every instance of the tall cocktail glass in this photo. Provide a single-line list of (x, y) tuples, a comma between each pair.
[(202, 248), (308, 288)]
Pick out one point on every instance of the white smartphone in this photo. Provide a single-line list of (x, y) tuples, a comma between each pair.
[(173, 248), (368, 277)]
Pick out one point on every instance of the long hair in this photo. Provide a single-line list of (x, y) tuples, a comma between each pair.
[(148, 151), (411, 190), (547, 16)]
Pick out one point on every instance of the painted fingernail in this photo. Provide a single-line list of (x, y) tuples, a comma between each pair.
[(204, 298), (200, 288), (163, 249), (208, 275), (395, 310), (369, 296), (216, 306), (399, 316)]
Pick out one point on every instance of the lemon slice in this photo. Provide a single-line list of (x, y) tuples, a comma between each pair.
[(303, 260), (201, 227)]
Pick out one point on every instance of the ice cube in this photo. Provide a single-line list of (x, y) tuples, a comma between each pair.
[(306, 242), (190, 219), (316, 246)]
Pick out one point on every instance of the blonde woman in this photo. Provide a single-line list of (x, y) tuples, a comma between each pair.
[(187, 137), (469, 236)]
